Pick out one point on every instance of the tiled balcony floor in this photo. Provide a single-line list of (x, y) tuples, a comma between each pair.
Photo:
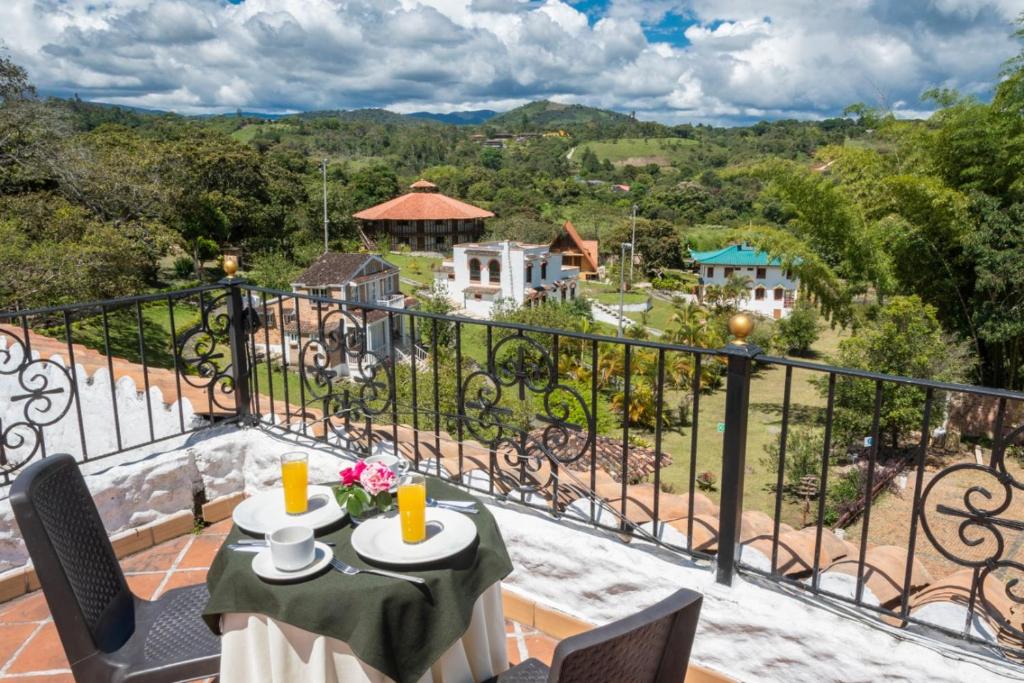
[(30, 650)]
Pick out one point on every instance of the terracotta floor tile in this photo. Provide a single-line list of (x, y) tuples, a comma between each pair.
[(144, 585), (513, 651), (43, 653), (220, 528), (541, 647), (11, 638), (200, 554), (189, 577), (29, 608), (49, 678), (158, 558)]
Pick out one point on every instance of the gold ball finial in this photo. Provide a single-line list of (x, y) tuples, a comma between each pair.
[(230, 265), (740, 326)]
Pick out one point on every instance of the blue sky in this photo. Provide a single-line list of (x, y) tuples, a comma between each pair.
[(713, 61)]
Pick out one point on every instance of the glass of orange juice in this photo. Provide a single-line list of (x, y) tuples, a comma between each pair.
[(412, 507), (295, 479)]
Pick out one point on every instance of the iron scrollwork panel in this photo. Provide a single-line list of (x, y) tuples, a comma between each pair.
[(980, 524), (518, 408), (363, 391), (202, 352), (42, 392)]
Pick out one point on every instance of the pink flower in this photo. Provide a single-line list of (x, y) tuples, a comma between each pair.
[(376, 478), (350, 475)]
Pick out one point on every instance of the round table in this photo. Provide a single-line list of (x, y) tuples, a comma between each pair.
[(365, 627)]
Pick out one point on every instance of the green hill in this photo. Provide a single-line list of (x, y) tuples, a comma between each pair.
[(546, 114)]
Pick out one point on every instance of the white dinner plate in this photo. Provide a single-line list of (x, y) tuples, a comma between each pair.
[(264, 512), (264, 567), (379, 539)]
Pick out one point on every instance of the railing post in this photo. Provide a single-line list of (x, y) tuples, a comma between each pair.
[(734, 443), (238, 329)]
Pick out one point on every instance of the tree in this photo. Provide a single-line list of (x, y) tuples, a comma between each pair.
[(904, 338), (273, 270), (14, 82), (437, 334), (491, 158), (799, 330)]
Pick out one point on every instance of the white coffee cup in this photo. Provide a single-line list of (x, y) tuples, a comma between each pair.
[(292, 548), (392, 462)]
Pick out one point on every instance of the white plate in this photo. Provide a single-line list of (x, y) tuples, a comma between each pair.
[(379, 539), (264, 512), (264, 567)]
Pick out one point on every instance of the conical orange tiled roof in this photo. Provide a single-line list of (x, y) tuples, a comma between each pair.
[(424, 203)]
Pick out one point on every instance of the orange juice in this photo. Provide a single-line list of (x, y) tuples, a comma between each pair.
[(412, 508), (295, 478)]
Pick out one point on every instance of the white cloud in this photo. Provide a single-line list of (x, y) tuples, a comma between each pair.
[(736, 59)]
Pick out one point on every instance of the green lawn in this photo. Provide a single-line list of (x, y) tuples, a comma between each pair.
[(418, 268), (123, 332), (639, 151)]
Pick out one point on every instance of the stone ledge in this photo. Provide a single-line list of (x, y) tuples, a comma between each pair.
[(16, 582), (222, 507)]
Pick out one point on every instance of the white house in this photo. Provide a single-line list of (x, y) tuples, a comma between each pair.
[(350, 278), (481, 274), (772, 289)]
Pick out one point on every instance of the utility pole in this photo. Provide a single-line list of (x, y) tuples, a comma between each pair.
[(622, 279), (323, 167), (632, 241)]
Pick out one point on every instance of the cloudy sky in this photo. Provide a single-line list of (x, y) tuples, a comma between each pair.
[(719, 61)]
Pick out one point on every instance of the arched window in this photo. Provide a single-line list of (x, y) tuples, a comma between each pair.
[(494, 272), (474, 270), (529, 274), (544, 270), (759, 293)]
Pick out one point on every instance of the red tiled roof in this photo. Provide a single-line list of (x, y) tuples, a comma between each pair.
[(422, 206), (586, 247)]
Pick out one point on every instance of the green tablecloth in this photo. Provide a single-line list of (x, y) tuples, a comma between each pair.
[(394, 626)]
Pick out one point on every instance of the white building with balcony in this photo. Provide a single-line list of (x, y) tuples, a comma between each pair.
[(772, 288), (479, 275), (353, 279)]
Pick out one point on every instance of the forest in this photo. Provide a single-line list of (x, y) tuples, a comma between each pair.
[(871, 211)]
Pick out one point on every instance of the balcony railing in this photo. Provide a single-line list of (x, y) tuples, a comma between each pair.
[(609, 431)]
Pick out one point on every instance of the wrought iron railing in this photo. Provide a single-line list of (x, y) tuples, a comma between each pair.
[(584, 426)]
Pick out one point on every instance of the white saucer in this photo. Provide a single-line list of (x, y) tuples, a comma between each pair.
[(264, 567), (264, 512), (379, 539)]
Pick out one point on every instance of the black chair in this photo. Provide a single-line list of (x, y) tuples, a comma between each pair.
[(652, 646), (108, 633)]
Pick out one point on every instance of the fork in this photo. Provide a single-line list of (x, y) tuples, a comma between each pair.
[(348, 569)]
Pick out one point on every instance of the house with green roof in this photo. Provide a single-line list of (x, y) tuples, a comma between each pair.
[(772, 287)]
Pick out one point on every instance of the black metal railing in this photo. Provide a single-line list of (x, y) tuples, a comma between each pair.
[(581, 425)]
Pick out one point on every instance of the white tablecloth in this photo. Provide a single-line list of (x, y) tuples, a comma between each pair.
[(256, 648)]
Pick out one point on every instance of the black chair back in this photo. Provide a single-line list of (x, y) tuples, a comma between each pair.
[(84, 587), (652, 646)]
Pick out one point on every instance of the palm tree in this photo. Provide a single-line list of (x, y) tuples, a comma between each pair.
[(642, 410)]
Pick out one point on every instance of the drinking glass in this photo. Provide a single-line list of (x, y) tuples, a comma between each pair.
[(295, 479), (412, 507)]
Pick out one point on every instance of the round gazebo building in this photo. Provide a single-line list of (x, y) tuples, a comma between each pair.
[(424, 219)]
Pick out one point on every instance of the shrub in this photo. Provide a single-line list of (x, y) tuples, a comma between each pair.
[(803, 455), (798, 331), (183, 267), (844, 493), (706, 481)]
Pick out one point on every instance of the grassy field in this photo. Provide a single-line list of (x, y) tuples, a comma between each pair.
[(639, 151), (417, 268)]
